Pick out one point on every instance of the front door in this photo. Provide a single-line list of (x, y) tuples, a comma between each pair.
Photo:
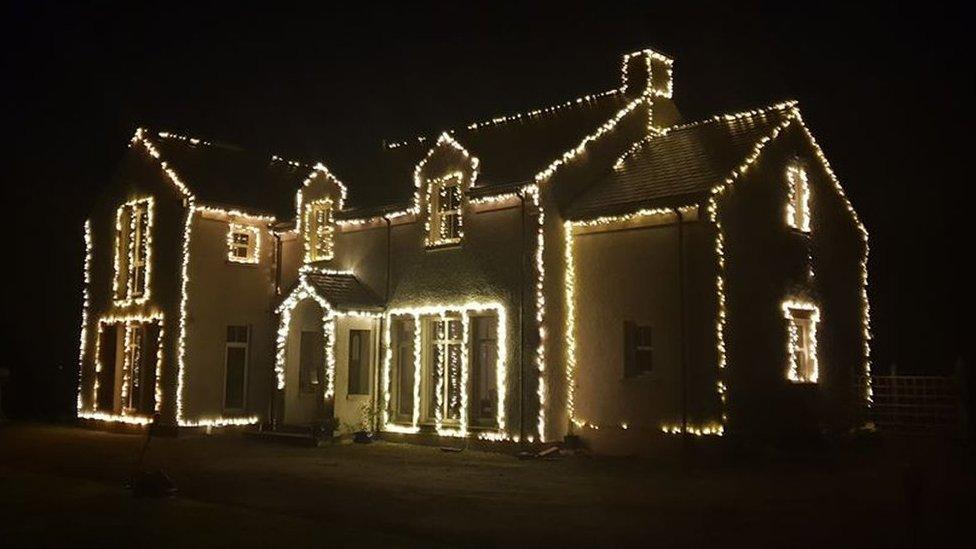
[(305, 403)]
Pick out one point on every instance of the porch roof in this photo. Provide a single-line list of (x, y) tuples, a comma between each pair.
[(342, 291)]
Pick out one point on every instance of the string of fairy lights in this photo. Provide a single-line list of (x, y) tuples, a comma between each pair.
[(536, 193), (793, 372)]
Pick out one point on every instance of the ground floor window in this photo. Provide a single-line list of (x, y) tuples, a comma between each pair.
[(359, 344), (445, 369), (444, 372), (127, 357), (638, 349), (403, 333), (483, 399), (235, 367), (801, 344)]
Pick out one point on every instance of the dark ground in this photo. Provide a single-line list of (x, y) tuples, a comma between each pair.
[(64, 485)]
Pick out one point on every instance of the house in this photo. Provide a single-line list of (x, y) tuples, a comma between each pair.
[(597, 268)]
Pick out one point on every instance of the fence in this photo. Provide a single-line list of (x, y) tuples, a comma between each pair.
[(915, 405)]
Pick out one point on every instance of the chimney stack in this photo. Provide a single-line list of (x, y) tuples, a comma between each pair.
[(647, 72)]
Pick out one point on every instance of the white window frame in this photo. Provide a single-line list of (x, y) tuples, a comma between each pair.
[(137, 236), (252, 248), (436, 189), (437, 373), (798, 199), (319, 233), (800, 316), (247, 360)]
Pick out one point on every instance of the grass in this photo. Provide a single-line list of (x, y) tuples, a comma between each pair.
[(63, 484)]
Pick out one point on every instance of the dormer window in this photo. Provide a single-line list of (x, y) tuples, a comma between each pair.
[(243, 243), (801, 343), (133, 245), (444, 211), (798, 199), (319, 230)]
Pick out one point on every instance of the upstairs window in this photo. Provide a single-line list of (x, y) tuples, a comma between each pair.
[(444, 216), (798, 200), (319, 230), (243, 243), (638, 350), (133, 246), (801, 343)]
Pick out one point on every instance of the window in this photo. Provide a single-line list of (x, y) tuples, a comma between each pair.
[(135, 347), (444, 203), (444, 381), (319, 230), (132, 368), (403, 334), (801, 341), (483, 399), (798, 201), (133, 241), (243, 243), (235, 367), (311, 362), (358, 362), (638, 350)]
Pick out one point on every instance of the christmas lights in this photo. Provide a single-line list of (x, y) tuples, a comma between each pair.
[(649, 56), (319, 168), (184, 300), (798, 200), (793, 340), (570, 295), (126, 321), (243, 243), (438, 227), (445, 313), (319, 235), (865, 303), (301, 292), (137, 247), (85, 304)]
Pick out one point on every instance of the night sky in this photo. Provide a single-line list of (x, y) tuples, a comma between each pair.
[(887, 94)]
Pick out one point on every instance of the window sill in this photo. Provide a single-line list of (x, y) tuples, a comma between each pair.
[(242, 263), (444, 246)]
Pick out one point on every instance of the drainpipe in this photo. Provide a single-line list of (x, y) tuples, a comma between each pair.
[(389, 255), (522, 321), (681, 320)]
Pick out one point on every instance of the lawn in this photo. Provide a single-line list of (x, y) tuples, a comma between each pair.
[(64, 484)]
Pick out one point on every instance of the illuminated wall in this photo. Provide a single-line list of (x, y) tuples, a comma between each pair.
[(628, 271), (138, 176), (223, 293)]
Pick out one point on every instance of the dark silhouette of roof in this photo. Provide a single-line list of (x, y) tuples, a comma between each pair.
[(343, 290), (684, 163), (510, 152), (228, 176)]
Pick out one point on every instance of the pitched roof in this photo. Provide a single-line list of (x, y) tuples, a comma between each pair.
[(343, 290), (226, 175), (510, 150), (685, 162)]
